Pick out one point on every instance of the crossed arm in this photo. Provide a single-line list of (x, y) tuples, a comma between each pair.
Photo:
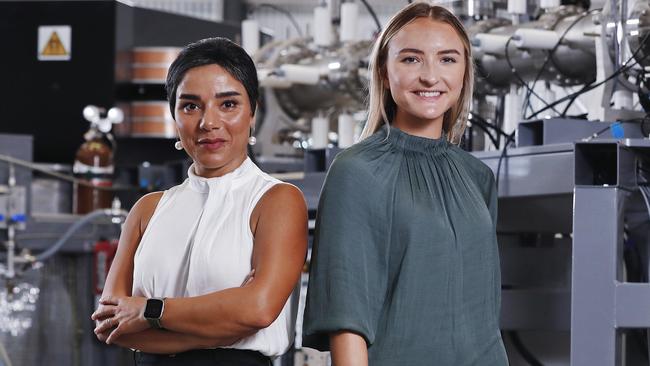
[(279, 224)]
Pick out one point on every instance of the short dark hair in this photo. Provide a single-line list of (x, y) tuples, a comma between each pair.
[(220, 51)]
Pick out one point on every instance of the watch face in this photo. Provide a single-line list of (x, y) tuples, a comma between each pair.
[(153, 309)]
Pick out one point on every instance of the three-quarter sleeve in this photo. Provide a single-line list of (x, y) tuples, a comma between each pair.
[(492, 197), (348, 274), (491, 200)]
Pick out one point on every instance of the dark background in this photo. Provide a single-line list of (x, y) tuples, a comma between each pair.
[(46, 98)]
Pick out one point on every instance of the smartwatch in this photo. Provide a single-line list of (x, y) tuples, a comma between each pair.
[(153, 311)]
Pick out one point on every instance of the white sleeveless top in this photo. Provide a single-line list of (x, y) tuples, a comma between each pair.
[(199, 241)]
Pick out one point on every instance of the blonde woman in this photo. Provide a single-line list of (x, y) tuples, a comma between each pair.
[(405, 266)]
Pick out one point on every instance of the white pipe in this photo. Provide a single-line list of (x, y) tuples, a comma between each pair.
[(11, 252), (491, 43), (250, 35), (517, 6), (512, 112), (300, 74), (346, 130), (322, 26), (535, 38), (349, 21), (319, 132), (268, 78), (548, 4)]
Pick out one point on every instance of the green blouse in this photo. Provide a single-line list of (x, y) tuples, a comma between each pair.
[(405, 254)]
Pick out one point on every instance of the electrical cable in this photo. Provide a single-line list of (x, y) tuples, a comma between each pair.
[(643, 170), (568, 105), (486, 131), (283, 11), (645, 192), (475, 118), (643, 123), (644, 188), (523, 351), (496, 128), (75, 227), (372, 14), (519, 78), (626, 65), (65, 177), (552, 51), (644, 97), (485, 128), (485, 125), (467, 141), (632, 87), (597, 134), (583, 90), (499, 114), (509, 139), (633, 261)]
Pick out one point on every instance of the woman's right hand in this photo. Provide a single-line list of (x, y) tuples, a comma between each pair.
[(102, 336)]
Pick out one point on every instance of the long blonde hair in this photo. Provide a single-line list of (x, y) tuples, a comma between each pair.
[(382, 107)]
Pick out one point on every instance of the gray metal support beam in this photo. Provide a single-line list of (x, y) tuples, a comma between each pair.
[(632, 305), (597, 246)]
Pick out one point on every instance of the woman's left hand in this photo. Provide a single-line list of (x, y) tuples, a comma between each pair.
[(124, 315)]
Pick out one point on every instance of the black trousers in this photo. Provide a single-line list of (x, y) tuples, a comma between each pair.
[(204, 357)]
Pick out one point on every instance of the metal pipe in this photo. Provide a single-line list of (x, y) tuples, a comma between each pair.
[(11, 229), (11, 252), (75, 227)]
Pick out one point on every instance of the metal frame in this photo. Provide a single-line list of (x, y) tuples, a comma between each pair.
[(601, 186), (602, 303)]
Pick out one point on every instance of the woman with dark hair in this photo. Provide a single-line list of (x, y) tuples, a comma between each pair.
[(405, 264), (204, 271)]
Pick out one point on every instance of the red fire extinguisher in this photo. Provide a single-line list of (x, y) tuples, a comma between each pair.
[(103, 254)]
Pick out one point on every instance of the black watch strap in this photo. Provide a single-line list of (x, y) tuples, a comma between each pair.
[(154, 323)]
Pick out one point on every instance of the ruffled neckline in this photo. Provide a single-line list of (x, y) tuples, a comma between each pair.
[(405, 141), (203, 184)]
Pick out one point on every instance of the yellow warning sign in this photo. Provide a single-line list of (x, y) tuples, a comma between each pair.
[(54, 43), (54, 47)]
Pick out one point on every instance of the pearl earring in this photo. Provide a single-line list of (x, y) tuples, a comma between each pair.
[(252, 140), (178, 145)]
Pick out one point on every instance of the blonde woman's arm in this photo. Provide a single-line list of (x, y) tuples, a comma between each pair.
[(348, 349)]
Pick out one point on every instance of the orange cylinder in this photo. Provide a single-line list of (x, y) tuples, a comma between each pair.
[(150, 64)]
